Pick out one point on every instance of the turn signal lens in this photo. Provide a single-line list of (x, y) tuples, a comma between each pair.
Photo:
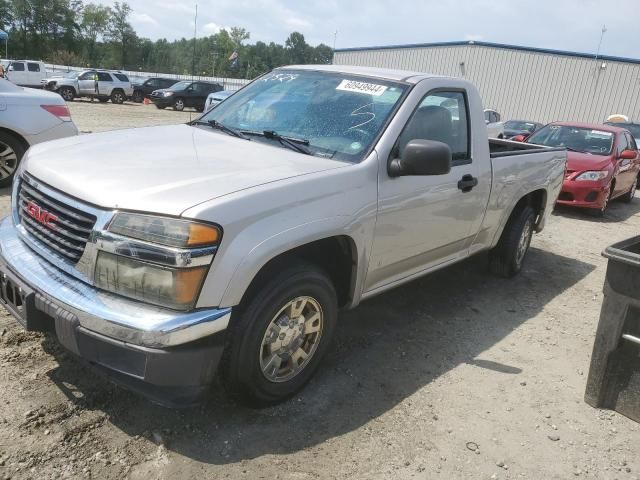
[(200, 234)]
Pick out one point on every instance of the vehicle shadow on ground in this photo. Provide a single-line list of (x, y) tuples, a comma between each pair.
[(617, 211), (384, 351)]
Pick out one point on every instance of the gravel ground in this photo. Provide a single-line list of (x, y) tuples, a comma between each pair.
[(456, 375)]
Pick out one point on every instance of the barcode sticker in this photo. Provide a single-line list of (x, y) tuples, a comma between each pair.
[(361, 87)]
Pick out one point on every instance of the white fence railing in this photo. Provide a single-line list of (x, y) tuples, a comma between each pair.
[(227, 83)]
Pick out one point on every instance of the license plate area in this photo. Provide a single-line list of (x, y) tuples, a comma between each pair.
[(19, 300)]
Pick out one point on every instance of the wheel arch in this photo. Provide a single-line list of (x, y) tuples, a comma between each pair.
[(16, 135), (337, 255), (536, 199)]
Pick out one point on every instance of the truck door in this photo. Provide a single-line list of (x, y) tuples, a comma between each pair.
[(17, 73), (34, 74), (105, 83), (86, 83), (424, 221)]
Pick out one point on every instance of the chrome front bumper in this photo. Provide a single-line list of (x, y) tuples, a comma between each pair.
[(100, 312)]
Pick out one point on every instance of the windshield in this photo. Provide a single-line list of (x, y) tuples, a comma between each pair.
[(72, 74), (634, 128), (517, 126), (179, 86), (339, 115), (580, 139)]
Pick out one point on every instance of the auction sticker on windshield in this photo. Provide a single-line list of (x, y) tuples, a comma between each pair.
[(361, 87)]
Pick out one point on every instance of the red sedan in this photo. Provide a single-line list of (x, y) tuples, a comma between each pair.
[(602, 163)]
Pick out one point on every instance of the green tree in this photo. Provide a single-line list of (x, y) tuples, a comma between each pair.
[(297, 47), (120, 31), (95, 21)]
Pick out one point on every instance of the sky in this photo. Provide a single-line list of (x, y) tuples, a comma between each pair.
[(574, 25)]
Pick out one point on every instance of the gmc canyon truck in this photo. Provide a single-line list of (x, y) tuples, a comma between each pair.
[(167, 255)]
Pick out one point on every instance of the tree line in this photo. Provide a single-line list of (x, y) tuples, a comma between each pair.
[(71, 32)]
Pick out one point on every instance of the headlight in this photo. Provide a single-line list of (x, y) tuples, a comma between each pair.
[(593, 176), (167, 94), (172, 232), (168, 269), (169, 287)]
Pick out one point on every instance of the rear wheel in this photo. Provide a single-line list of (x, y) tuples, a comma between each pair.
[(67, 93), (507, 258), (117, 97), (279, 335), (11, 152), (178, 105), (137, 96)]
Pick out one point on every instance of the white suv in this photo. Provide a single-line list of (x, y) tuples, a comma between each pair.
[(102, 84)]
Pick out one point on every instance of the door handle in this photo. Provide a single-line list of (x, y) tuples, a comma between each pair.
[(467, 183)]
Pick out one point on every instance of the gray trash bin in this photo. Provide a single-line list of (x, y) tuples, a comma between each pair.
[(614, 375)]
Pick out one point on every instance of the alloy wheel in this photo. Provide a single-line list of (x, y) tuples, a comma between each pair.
[(291, 339), (8, 160)]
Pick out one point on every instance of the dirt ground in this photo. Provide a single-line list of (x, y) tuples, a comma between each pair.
[(456, 375)]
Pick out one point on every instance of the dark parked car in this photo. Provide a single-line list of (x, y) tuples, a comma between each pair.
[(146, 88), (185, 94), (633, 128), (513, 128)]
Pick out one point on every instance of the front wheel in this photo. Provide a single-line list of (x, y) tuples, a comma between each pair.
[(628, 197), (507, 258), (178, 105), (278, 336), (11, 152), (117, 97)]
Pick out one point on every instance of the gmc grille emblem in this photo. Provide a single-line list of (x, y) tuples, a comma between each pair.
[(36, 212)]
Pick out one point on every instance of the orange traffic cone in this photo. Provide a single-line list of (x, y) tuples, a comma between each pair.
[(147, 101)]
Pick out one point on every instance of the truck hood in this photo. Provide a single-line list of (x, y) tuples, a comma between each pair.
[(164, 169), (577, 161)]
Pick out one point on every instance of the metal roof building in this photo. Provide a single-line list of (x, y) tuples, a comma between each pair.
[(521, 82)]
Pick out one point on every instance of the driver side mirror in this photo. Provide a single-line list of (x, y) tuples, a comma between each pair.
[(628, 155), (422, 157)]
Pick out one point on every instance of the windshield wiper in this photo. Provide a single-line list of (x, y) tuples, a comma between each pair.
[(219, 126), (297, 144)]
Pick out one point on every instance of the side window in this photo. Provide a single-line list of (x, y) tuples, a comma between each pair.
[(632, 142), (18, 66), (153, 83), (122, 77), (496, 116), (167, 83), (104, 77), (86, 76), (33, 67), (622, 143), (441, 116)]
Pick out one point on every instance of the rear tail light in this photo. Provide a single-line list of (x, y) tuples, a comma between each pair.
[(60, 111)]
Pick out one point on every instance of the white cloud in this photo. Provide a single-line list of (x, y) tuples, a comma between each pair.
[(211, 28), (542, 23), (143, 18)]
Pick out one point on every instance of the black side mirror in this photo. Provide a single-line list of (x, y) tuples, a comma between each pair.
[(422, 157)]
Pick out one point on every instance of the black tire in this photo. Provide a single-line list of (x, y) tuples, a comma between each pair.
[(178, 104), (67, 93), (137, 97), (117, 97), (11, 152), (506, 259), (200, 108), (628, 197), (240, 368), (601, 212)]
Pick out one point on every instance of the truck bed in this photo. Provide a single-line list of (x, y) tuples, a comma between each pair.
[(507, 148)]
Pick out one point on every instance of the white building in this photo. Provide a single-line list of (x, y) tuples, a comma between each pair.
[(520, 82)]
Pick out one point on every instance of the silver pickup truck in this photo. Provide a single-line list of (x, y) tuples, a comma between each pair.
[(227, 246)]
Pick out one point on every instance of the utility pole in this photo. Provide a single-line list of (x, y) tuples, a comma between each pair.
[(215, 60), (195, 33), (604, 30), (335, 36)]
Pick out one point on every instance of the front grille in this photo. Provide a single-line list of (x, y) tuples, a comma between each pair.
[(67, 235)]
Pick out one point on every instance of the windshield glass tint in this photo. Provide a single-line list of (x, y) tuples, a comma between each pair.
[(339, 115), (180, 86), (520, 126), (585, 140)]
